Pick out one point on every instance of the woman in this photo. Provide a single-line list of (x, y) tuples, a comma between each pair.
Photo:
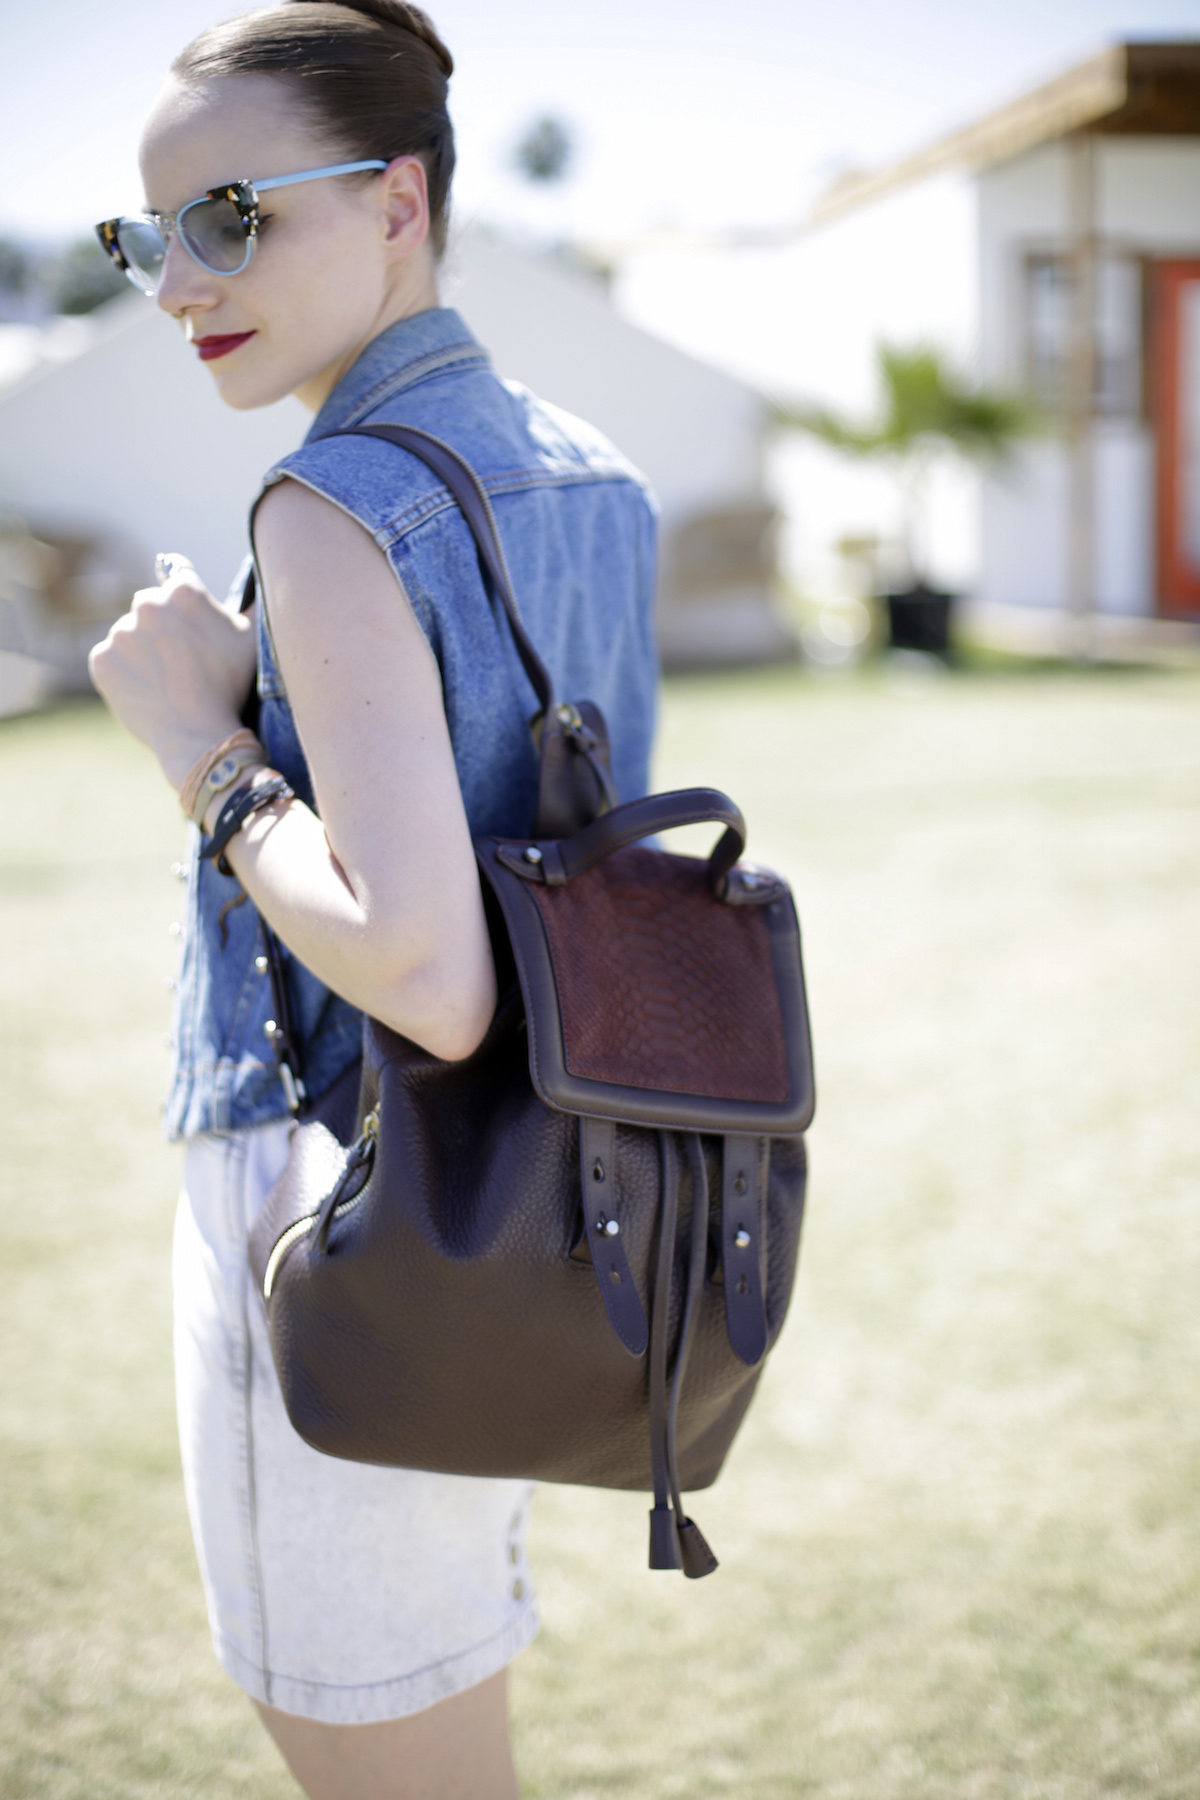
[(370, 1613)]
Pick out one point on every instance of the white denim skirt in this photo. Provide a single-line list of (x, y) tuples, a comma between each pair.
[(339, 1591)]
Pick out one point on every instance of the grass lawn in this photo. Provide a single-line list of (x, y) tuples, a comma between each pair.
[(959, 1535)]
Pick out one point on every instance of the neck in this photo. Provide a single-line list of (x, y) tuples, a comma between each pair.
[(417, 296)]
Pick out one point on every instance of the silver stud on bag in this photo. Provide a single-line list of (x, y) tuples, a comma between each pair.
[(533, 854), (607, 1227), (270, 1028), (742, 1238), (260, 963)]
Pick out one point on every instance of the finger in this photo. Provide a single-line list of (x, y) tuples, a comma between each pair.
[(170, 562)]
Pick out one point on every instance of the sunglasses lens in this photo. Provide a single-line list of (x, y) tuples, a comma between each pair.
[(141, 244), (214, 233)]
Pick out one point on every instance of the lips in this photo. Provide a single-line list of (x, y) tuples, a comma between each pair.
[(212, 347)]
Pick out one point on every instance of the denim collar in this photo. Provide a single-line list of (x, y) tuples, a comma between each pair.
[(407, 352)]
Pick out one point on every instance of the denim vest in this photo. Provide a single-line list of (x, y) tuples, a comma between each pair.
[(578, 526)]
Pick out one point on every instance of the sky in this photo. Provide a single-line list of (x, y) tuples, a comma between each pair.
[(704, 114), (700, 115)]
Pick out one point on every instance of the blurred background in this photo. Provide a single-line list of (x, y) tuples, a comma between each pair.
[(899, 304), (899, 308)]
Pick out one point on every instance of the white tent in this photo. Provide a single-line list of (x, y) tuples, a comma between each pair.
[(116, 435)]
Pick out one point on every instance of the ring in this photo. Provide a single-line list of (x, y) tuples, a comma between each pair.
[(168, 563)]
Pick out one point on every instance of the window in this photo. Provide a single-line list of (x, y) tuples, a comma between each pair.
[(1117, 326)]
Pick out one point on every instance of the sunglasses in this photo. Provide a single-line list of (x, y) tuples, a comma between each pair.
[(219, 230)]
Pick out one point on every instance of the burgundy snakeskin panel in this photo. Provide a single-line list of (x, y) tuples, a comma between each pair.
[(659, 985)]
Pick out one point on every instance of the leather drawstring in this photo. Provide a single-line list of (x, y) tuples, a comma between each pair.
[(698, 1559), (664, 1539), (675, 1540)]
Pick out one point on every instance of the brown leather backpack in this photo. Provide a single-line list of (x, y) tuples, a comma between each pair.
[(565, 1257)]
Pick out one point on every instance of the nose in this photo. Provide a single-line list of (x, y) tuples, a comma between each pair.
[(184, 286)]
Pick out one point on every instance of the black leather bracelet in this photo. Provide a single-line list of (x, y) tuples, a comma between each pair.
[(237, 809)]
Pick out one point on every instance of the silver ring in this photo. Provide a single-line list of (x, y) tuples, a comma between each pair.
[(168, 563)]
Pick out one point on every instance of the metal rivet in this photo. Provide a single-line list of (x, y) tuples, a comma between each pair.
[(169, 983), (597, 1170), (175, 928), (742, 1238), (179, 870), (270, 1028), (739, 1186), (612, 1228), (533, 854), (260, 963)]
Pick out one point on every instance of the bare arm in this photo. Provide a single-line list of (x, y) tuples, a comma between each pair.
[(380, 896)]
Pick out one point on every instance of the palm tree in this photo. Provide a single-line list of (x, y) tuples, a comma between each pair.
[(929, 410)]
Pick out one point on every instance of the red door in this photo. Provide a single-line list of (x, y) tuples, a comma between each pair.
[(1177, 428)]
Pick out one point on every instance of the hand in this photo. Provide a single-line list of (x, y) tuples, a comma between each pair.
[(176, 669)]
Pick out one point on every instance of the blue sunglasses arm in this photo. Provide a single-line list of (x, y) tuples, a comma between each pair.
[(350, 168)]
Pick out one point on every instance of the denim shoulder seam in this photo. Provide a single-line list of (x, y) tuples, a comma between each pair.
[(512, 481)]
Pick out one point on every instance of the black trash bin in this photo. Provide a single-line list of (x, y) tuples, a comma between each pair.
[(919, 619)]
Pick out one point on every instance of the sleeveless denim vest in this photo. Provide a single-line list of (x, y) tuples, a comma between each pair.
[(578, 526)]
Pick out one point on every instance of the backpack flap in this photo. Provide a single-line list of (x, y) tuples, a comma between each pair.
[(660, 990)]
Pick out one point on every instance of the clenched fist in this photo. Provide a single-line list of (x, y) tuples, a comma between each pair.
[(176, 669)]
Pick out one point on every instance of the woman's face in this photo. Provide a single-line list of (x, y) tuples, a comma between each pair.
[(337, 260)]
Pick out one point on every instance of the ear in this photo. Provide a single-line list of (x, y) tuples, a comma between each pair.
[(404, 205)]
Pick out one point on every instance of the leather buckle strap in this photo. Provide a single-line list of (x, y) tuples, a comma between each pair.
[(597, 1163), (743, 1231)]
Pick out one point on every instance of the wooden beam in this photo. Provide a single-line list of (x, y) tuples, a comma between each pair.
[(1070, 103)]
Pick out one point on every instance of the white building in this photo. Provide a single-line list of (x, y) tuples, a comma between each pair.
[(1055, 247), (113, 444)]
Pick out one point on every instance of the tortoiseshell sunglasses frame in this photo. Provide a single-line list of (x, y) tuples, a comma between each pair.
[(242, 195)]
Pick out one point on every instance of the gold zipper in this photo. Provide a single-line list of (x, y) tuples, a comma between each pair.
[(291, 1236), (302, 1227)]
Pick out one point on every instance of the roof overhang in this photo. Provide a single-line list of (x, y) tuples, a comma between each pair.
[(1147, 90)]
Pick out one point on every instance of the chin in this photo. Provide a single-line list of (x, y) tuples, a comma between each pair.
[(245, 391)]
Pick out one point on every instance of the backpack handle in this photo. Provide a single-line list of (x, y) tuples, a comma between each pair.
[(551, 861)]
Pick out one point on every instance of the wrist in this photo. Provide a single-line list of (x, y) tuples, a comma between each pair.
[(179, 756), (249, 777), (217, 769)]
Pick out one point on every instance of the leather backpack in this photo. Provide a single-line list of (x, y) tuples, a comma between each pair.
[(565, 1257)]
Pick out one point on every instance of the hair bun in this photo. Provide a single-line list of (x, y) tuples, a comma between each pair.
[(408, 18)]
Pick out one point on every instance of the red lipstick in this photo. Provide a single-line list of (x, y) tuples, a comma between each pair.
[(211, 347)]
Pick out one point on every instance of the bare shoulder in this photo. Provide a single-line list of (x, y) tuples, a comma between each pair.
[(323, 570), (293, 523)]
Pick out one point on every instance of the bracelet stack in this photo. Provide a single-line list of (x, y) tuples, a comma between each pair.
[(237, 809), (217, 770)]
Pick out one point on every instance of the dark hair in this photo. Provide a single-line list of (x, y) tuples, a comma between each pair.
[(371, 73)]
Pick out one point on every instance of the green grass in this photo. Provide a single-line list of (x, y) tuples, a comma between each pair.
[(959, 1539)]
